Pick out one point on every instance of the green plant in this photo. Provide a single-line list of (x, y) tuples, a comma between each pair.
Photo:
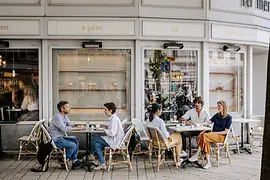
[(155, 64)]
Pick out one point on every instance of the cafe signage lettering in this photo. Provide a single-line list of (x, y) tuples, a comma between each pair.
[(91, 28), (263, 5)]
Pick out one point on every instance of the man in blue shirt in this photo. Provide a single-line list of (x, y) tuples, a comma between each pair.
[(58, 128)]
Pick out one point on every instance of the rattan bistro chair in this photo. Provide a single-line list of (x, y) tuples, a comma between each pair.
[(160, 144), (256, 129), (225, 145), (59, 152), (140, 130), (122, 149), (33, 139)]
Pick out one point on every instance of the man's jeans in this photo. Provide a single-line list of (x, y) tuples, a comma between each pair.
[(71, 144), (97, 146)]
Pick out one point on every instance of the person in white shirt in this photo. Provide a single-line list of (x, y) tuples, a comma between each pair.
[(174, 138), (197, 115), (30, 105), (114, 136)]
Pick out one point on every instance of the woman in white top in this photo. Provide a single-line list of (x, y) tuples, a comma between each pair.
[(114, 136), (174, 138), (30, 105)]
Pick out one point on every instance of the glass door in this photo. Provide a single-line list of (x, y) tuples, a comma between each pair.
[(89, 78), (170, 79)]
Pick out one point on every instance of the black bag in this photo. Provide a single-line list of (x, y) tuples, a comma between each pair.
[(134, 139), (43, 155)]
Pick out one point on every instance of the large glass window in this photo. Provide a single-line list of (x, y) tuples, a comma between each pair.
[(226, 80), (19, 84), (171, 80), (89, 78)]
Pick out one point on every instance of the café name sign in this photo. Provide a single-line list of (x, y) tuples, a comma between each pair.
[(263, 5)]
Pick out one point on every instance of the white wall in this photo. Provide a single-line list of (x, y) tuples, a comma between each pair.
[(234, 11), (259, 82)]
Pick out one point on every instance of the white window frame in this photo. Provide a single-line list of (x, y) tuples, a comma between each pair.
[(159, 46), (106, 45)]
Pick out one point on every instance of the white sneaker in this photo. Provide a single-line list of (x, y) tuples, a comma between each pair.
[(193, 158), (208, 165), (100, 167), (183, 154), (180, 162)]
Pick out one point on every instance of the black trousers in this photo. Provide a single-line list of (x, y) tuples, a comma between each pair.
[(185, 135)]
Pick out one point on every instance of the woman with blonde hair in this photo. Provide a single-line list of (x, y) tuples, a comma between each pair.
[(222, 123), (30, 105)]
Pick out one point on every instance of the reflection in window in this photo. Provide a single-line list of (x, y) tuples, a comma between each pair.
[(87, 79), (171, 80), (226, 80), (19, 83)]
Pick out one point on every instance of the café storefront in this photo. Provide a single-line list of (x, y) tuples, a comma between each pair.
[(131, 58)]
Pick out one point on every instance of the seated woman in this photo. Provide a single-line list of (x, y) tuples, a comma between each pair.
[(174, 138), (30, 105), (114, 136), (222, 123)]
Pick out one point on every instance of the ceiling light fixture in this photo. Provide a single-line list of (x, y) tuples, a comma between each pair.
[(231, 48), (173, 45), (4, 44), (92, 44)]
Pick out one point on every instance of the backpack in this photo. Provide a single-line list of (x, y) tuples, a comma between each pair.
[(43, 154)]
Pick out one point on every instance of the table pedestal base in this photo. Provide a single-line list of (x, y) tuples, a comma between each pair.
[(244, 149), (186, 163)]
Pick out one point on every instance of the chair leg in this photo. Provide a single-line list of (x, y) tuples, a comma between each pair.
[(25, 148), (20, 151), (174, 157), (237, 144), (110, 160), (128, 160), (124, 157), (150, 154), (228, 152), (105, 153), (159, 159), (148, 163), (65, 159), (217, 154)]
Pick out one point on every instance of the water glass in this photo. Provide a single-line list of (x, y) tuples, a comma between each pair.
[(87, 126), (183, 123)]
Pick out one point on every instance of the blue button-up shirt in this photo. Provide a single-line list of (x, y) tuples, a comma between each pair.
[(59, 126)]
